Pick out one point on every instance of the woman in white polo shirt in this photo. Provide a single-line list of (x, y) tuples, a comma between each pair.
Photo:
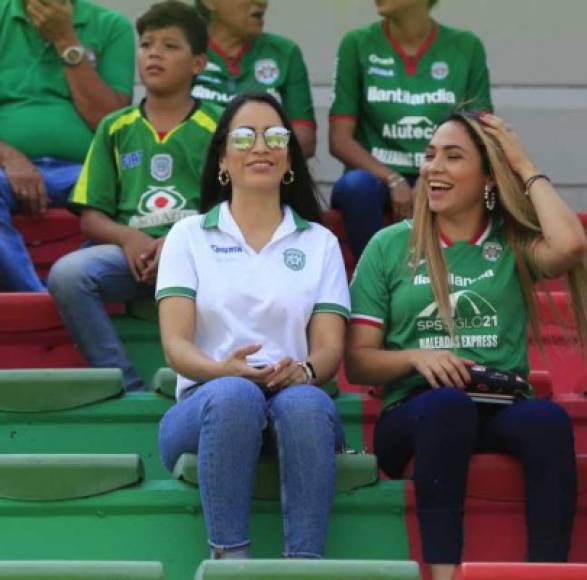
[(253, 304)]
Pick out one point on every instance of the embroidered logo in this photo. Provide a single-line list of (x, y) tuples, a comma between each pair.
[(160, 199), (266, 71), (492, 251), (294, 259), (130, 160), (439, 70), (161, 166)]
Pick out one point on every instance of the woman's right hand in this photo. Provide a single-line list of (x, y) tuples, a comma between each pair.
[(442, 368), (235, 364)]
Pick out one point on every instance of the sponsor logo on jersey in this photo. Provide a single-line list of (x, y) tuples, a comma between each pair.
[(381, 60), (471, 312), (453, 280), (226, 249), (294, 259), (399, 158), (158, 198), (409, 128), (206, 94), (266, 71), (130, 160), (492, 251), (161, 166), (402, 97), (380, 72), (439, 70), (208, 79), (212, 67)]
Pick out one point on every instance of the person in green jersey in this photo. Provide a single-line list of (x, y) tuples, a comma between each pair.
[(64, 65), (453, 288), (141, 175), (395, 81), (241, 57)]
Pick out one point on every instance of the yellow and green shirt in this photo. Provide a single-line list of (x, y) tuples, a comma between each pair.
[(140, 178)]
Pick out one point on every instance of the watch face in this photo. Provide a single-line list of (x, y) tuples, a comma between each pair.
[(73, 55)]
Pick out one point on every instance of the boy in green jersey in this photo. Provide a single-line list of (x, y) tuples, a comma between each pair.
[(140, 176)]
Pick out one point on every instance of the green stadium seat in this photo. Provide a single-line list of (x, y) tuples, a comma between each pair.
[(125, 424), (353, 471), (164, 382), (42, 390), (61, 477), (307, 570), (76, 570)]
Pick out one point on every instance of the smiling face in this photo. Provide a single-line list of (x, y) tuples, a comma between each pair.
[(166, 62), (244, 18), (260, 168), (452, 172)]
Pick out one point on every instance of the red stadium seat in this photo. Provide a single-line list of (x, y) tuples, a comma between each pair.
[(332, 219), (50, 237), (521, 571)]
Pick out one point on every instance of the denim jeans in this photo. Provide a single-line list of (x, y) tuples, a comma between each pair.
[(17, 272), (223, 422), (442, 427), (363, 200), (80, 282)]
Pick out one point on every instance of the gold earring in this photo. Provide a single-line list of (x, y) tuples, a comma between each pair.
[(223, 177), (489, 195)]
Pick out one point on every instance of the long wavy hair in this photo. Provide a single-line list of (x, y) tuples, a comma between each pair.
[(521, 224), (301, 195)]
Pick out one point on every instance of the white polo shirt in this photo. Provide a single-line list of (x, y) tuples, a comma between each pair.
[(244, 297)]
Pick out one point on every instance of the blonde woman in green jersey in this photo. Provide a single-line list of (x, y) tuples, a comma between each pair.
[(433, 297)]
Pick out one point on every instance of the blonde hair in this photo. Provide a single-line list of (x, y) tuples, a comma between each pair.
[(521, 225)]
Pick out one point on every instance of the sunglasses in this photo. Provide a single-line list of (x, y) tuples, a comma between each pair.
[(244, 138)]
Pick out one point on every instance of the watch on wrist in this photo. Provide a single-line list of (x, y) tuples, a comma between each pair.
[(73, 55)]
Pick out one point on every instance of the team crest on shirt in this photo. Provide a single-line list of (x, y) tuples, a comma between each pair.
[(439, 70), (294, 259), (492, 251), (161, 166), (266, 71)]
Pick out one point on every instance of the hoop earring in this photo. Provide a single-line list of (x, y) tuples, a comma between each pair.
[(223, 177), (288, 177), (489, 195)]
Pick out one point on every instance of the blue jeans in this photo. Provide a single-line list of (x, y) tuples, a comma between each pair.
[(223, 422), (363, 200), (17, 272), (442, 427), (80, 283)]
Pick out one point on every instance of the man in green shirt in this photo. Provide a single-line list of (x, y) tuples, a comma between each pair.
[(141, 175), (63, 66), (241, 57)]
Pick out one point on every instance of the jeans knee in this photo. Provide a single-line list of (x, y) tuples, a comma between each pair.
[(66, 276), (234, 397), (304, 402)]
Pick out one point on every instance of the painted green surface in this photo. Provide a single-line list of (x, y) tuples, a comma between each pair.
[(127, 424), (162, 521), (308, 570), (51, 570), (41, 390)]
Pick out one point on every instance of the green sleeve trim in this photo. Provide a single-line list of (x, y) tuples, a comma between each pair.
[(331, 307), (175, 291)]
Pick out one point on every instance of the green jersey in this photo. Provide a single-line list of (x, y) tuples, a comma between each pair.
[(141, 178), (271, 63), (399, 100), (488, 307)]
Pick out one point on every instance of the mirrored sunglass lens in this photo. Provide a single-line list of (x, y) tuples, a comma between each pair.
[(276, 137), (242, 138)]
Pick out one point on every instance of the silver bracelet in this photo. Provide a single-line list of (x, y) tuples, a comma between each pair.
[(308, 370)]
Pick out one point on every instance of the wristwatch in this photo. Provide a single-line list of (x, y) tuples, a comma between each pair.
[(73, 55)]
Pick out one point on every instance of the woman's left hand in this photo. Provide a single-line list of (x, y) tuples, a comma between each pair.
[(510, 143), (286, 372)]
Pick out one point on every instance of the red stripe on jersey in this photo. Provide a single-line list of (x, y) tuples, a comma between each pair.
[(305, 122), (233, 63), (337, 117), (411, 61), (357, 319)]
